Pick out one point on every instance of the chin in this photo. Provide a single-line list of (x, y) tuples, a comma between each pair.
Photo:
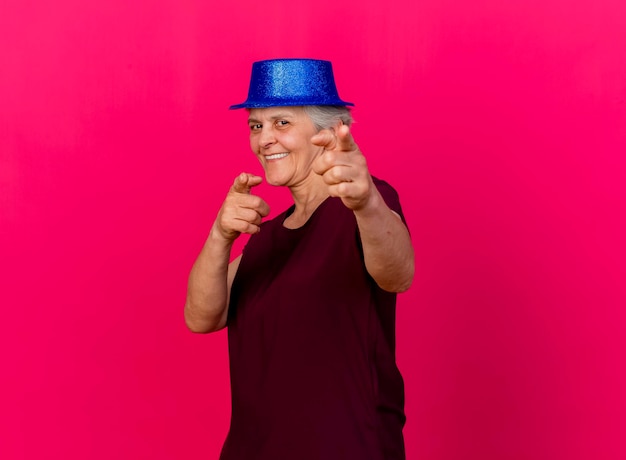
[(275, 181)]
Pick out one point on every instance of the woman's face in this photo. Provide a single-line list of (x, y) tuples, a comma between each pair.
[(281, 139)]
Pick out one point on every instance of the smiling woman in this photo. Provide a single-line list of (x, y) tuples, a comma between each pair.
[(310, 304), (280, 138)]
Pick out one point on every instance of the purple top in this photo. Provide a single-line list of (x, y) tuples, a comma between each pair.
[(312, 345)]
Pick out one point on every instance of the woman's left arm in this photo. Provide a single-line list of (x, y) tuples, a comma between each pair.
[(387, 247)]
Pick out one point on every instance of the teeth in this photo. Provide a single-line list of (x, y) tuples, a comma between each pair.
[(276, 156)]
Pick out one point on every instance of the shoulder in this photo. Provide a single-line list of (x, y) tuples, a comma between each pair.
[(389, 194), (381, 183), (384, 187)]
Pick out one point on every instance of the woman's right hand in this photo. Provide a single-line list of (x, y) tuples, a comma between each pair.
[(241, 211)]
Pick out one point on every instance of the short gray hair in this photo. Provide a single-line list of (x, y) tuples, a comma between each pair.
[(326, 116)]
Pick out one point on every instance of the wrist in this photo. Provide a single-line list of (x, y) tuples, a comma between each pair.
[(218, 238), (371, 207)]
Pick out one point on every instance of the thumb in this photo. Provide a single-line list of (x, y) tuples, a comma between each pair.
[(244, 182), (325, 138)]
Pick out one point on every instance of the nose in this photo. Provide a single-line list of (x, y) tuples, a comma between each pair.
[(267, 139)]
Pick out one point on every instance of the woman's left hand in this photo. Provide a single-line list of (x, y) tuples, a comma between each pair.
[(343, 167)]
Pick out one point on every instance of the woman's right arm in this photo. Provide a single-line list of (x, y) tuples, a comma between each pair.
[(208, 289), (211, 277)]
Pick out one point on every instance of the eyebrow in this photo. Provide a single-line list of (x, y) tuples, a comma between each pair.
[(275, 117)]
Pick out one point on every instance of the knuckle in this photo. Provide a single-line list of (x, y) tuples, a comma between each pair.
[(247, 215), (256, 201), (343, 188), (336, 174), (241, 226), (251, 228)]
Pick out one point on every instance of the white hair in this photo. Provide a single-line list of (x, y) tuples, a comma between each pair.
[(327, 116)]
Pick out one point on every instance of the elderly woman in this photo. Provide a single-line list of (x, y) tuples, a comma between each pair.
[(310, 304)]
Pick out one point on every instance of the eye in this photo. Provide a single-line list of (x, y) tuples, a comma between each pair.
[(281, 123), (255, 126)]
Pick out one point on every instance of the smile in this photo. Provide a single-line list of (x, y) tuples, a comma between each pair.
[(276, 156)]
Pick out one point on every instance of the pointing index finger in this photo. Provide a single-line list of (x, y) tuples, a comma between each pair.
[(345, 141), (244, 182)]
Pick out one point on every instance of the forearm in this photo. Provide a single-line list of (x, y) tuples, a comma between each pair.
[(387, 247), (207, 289)]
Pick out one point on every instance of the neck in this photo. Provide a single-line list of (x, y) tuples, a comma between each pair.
[(306, 200)]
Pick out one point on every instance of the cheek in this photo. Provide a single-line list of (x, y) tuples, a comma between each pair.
[(294, 143), (254, 143)]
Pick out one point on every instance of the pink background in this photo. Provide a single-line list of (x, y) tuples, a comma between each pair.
[(501, 124)]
